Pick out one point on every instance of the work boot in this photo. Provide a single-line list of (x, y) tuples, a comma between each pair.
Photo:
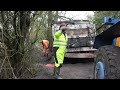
[(57, 73), (59, 77)]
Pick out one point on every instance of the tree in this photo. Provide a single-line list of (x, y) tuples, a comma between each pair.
[(14, 28)]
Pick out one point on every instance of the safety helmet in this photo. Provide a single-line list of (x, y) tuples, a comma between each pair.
[(63, 26)]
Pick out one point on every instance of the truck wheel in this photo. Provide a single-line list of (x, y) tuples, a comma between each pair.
[(107, 63)]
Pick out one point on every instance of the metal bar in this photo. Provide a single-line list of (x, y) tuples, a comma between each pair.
[(80, 55)]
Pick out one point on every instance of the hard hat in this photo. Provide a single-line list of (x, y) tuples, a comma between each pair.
[(62, 25)]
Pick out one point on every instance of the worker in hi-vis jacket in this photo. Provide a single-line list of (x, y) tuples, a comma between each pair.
[(59, 48)]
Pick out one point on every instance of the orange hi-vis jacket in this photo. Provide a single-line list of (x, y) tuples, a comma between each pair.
[(45, 44)]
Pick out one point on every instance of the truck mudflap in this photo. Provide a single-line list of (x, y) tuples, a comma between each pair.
[(80, 55)]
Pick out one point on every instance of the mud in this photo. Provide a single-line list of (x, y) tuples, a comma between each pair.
[(77, 69)]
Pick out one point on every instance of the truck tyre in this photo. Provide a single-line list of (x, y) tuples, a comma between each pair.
[(107, 63)]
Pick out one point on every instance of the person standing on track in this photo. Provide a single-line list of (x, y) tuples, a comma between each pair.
[(59, 49)]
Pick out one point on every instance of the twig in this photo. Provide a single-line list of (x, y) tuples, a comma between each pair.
[(22, 73), (9, 64), (11, 69), (19, 69), (16, 53), (2, 64), (29, 71)]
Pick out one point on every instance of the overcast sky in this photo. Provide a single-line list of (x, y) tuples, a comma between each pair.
[(78, 14)]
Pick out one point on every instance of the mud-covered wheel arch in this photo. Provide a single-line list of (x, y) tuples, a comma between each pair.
[(109, 57)]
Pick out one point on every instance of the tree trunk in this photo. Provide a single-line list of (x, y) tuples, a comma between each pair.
[(21, 28), (49, 33)]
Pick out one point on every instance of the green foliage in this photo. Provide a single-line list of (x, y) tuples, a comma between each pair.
[(99, 16)]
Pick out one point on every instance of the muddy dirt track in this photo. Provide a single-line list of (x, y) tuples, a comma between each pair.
[(77, 69)]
